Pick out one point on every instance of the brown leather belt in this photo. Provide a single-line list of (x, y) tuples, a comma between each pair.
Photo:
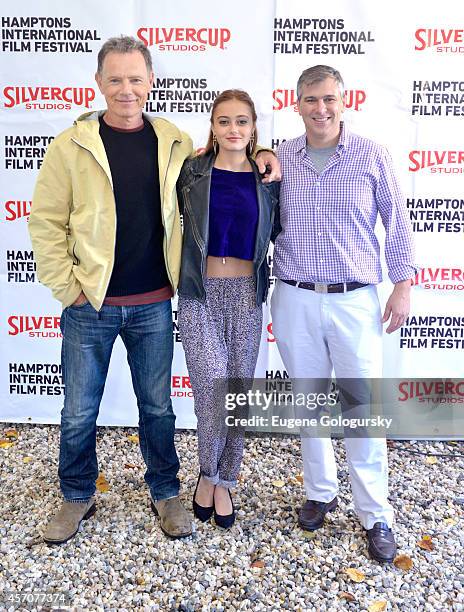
[(321, 288)]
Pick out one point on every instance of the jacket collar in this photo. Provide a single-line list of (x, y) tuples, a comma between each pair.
[(88, 126), (164, 128), (202, 164)]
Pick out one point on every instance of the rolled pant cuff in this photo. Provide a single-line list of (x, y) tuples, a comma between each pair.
[(212, 479), (220, 482), (79, 500), (161, 496), (227, 484)]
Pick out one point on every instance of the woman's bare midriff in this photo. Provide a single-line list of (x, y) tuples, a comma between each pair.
[(228, 267)]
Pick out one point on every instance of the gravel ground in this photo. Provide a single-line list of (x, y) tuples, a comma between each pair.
[(120, 559)]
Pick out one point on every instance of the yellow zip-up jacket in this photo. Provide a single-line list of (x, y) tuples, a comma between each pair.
[(73, 216)]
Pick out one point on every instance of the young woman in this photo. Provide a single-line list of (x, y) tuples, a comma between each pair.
[(228, 215)]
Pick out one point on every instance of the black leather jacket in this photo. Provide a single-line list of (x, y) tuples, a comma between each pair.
[(193, 188)]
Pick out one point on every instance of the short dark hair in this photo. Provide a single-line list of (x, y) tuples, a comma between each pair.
[(124, 44), (319, 73)]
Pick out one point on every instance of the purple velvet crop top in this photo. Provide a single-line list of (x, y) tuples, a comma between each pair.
[(233, 214)]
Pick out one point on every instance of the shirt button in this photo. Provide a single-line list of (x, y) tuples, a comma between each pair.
[(321, 260), (319, 233)]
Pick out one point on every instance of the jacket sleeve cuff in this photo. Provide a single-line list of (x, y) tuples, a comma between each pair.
[(69, 295)]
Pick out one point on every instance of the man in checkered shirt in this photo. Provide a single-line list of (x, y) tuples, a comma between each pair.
[(325, 310)]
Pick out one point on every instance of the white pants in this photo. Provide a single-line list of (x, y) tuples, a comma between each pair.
[(319, 333)]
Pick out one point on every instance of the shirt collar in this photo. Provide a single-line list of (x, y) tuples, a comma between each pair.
[(343, 141)]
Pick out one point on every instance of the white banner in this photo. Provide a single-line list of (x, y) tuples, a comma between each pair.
[(403, 69)]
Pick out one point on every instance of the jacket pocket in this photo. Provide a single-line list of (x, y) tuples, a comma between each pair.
[(189, 214), (72, 249)]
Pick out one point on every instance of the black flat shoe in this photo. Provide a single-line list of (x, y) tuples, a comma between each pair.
[(202, 514), (225, 520)]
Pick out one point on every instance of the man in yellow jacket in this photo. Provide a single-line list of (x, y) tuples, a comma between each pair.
[(106, 235)]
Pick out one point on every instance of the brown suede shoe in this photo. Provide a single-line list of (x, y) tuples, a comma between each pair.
[(65, 523), (312, 513), (174, 518)]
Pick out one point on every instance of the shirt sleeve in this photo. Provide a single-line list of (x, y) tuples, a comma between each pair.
[(399, 241)]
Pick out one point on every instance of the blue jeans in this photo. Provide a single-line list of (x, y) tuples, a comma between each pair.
[(88, 338)]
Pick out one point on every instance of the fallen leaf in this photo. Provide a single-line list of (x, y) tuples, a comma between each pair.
[(403, 562), (133, 438), (378, 606), (258, 563), (6, 444), (102, 484), (347, 596), (278, 483), (27, 459), (450, 521), (300, 478), (11, 433), (309, 535), (431, 460), (130, 465), (354, 574), (426, 543)]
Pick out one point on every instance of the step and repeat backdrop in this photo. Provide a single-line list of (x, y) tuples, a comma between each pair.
[(403, 66)]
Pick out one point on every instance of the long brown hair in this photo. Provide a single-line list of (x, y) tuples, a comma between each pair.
[(225, 96)]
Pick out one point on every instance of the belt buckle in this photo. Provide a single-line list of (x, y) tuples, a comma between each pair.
[(320, 288)]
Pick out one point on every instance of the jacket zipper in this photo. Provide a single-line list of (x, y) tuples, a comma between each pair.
[(260, 198), (114, 204), (190, 213), (164, 220), (188, 208), (92, 154)]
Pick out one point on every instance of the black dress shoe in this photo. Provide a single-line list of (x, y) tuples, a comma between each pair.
[(225, 520), (382, 545), (312, 513), (203, 514)]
